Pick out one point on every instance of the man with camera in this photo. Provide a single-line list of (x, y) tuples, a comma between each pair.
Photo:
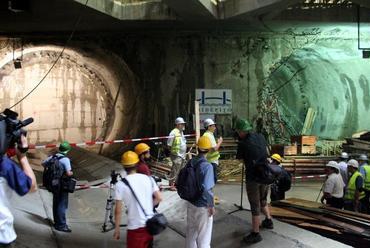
[(140, 194), (60, 196), (19, 178)]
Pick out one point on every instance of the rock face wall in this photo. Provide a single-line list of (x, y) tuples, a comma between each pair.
[(110, 87)]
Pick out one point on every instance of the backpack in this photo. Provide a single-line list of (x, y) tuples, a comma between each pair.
[(52, 175), (266, 173), (187, 183), (285, 181)]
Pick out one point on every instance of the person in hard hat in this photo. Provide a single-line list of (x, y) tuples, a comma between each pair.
[(213, 155), (365, 171), (343, 159), (177, 144), (143, 151), (252, 149), (283, 182), (60, 198), (354, 191), (333, 186), (200, 212), (148, 194)]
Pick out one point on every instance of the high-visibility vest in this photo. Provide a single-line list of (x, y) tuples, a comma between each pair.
[(212, 156), (176, 144), (367, 178), (351, 187)]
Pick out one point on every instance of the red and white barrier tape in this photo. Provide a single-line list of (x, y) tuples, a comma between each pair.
[(80, 187), (309, 177), (91, 143)]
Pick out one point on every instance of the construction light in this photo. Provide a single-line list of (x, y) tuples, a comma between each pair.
[(18, 5), (366, 54), (17, 63)]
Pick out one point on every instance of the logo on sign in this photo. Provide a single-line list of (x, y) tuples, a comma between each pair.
[(214, 101)]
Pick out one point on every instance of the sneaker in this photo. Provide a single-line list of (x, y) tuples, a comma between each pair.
[(252, 238), (216, 200), (63, 229), (267, 223)]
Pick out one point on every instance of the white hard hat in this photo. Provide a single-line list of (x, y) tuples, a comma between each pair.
[(208, 122), (344, 155), (363, 157), (179, 120), (333, 164), (353, 163)]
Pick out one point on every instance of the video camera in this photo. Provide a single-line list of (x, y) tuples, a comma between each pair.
[(11, 129)]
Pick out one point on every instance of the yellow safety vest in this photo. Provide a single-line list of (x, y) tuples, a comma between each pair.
[(212, 156), (176, 144), (367, 178), (351, 187)]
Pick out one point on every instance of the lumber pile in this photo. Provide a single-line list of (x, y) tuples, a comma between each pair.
[(228, 148), (356, 146), (306, 165), (344, 226)]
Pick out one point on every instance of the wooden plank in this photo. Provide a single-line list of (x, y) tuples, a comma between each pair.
[(284, 213), (363, 216), (290, 150), (303, 140), (321, 227)]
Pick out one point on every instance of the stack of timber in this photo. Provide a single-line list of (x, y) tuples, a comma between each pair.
[(161, 168), (356, 146), (228, 147), (306, 165), (344, 226), (305, 144)]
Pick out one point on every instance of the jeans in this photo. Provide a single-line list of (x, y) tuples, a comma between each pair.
[(60, 206)]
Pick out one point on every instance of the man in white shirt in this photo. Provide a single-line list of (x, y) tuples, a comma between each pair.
[(333, 187), (147, 192), (343, 166), (177, 144)]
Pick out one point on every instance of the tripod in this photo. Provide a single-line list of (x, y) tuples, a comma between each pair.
[(110, 206), (240, 207)]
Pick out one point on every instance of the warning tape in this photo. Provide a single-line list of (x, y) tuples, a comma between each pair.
[(309, 177), (91, 143), (80, 187)]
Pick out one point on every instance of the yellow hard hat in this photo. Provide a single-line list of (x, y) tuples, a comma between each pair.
[(204, 143), (129, 159), (277, 157), (141, 148)]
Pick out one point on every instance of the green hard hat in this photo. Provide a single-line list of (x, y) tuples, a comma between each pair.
[(243, 125), (64, 147)]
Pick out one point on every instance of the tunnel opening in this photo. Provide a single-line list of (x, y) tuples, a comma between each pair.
[(83, 98), (331, 79)]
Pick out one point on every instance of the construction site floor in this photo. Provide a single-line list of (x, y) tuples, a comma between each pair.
[(87, 209)]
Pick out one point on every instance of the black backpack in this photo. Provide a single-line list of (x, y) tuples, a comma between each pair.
[(52, 175), (187, 183), (266, 173)]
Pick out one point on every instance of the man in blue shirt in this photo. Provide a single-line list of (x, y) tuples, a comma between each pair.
[(200, 212), (20, 179), (60, 198)]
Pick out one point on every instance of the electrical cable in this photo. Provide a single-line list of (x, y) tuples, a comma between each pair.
[(57, 59)]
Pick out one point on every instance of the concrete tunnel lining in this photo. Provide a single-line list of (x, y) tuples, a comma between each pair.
[(109, 71), (331, 79)]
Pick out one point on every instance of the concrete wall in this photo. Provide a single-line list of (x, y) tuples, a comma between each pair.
[(301, 67)]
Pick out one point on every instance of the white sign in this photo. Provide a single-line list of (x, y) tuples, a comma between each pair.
[(212, 101)]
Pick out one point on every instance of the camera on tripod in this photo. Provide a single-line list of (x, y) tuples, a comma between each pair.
[(11, 129)]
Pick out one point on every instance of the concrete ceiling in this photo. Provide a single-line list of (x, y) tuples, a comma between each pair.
[(57, 16)]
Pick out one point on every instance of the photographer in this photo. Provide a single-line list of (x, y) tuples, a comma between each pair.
[(20, 179)]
